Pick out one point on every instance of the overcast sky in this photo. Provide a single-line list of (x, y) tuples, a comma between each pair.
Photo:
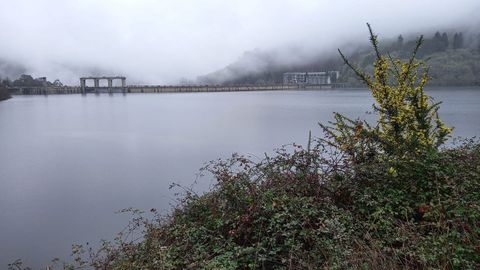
[(164, 40)]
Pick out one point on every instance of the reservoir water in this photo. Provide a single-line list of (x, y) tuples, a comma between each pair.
[(69, 162)]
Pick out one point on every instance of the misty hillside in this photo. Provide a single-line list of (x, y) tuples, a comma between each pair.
[(21, 74), (10, 70), (454, 58)]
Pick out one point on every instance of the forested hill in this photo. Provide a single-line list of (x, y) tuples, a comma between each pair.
[(454, 58)]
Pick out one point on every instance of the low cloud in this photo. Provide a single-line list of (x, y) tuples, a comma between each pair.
[(159, 42)]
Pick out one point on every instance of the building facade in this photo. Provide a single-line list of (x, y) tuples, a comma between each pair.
[(310, 78)]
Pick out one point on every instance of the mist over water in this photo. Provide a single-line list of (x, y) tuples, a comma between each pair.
[(69, 162)]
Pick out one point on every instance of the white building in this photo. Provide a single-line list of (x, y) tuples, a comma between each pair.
[(310, 78), (294, 78)]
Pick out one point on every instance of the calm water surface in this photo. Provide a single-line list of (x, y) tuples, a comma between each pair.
[(68, 162)]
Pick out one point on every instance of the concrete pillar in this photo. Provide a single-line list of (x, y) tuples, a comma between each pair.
[(82, 86), (124, 85), (110, 89), (96, 84)]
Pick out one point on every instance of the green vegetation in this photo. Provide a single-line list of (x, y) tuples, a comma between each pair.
[(26, 80), (452, 62), (4, 92), (454, 59), (382, 196)]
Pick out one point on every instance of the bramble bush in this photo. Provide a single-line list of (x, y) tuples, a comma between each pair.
[(382, 196)]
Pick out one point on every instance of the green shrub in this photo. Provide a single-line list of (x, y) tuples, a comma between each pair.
[(408, 124), (307, 209)]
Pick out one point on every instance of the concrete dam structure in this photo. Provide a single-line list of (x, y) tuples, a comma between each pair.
[(124, 88), (96, 83)]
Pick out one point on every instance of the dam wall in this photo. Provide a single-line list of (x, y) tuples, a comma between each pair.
[(57, 90)]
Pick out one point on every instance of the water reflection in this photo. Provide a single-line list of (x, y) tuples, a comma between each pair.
[(68, 162)]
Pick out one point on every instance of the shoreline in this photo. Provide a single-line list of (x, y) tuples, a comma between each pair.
[(67, 90)]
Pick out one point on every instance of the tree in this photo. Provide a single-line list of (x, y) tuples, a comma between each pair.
[(399, 43), (4, 94), (445, 42), (458, 41), (400, 40), (27, 80), (408, 124), (433, 45), (440, 42), (6, 82)]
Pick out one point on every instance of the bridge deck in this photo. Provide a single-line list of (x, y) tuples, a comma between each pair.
[(163, 89)]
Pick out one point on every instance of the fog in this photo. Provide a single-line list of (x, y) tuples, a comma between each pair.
[(161, 42)]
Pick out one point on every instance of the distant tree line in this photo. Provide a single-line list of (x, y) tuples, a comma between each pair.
[(454, 58), (26, 80), (437, 43)]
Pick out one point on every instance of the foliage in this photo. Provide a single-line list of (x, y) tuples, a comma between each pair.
[(314, 209), (453, 62), (408, 123), (27, 80), (4, 92), (458, 41)]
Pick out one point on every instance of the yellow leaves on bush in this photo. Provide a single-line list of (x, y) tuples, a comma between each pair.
[(408, 124)]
